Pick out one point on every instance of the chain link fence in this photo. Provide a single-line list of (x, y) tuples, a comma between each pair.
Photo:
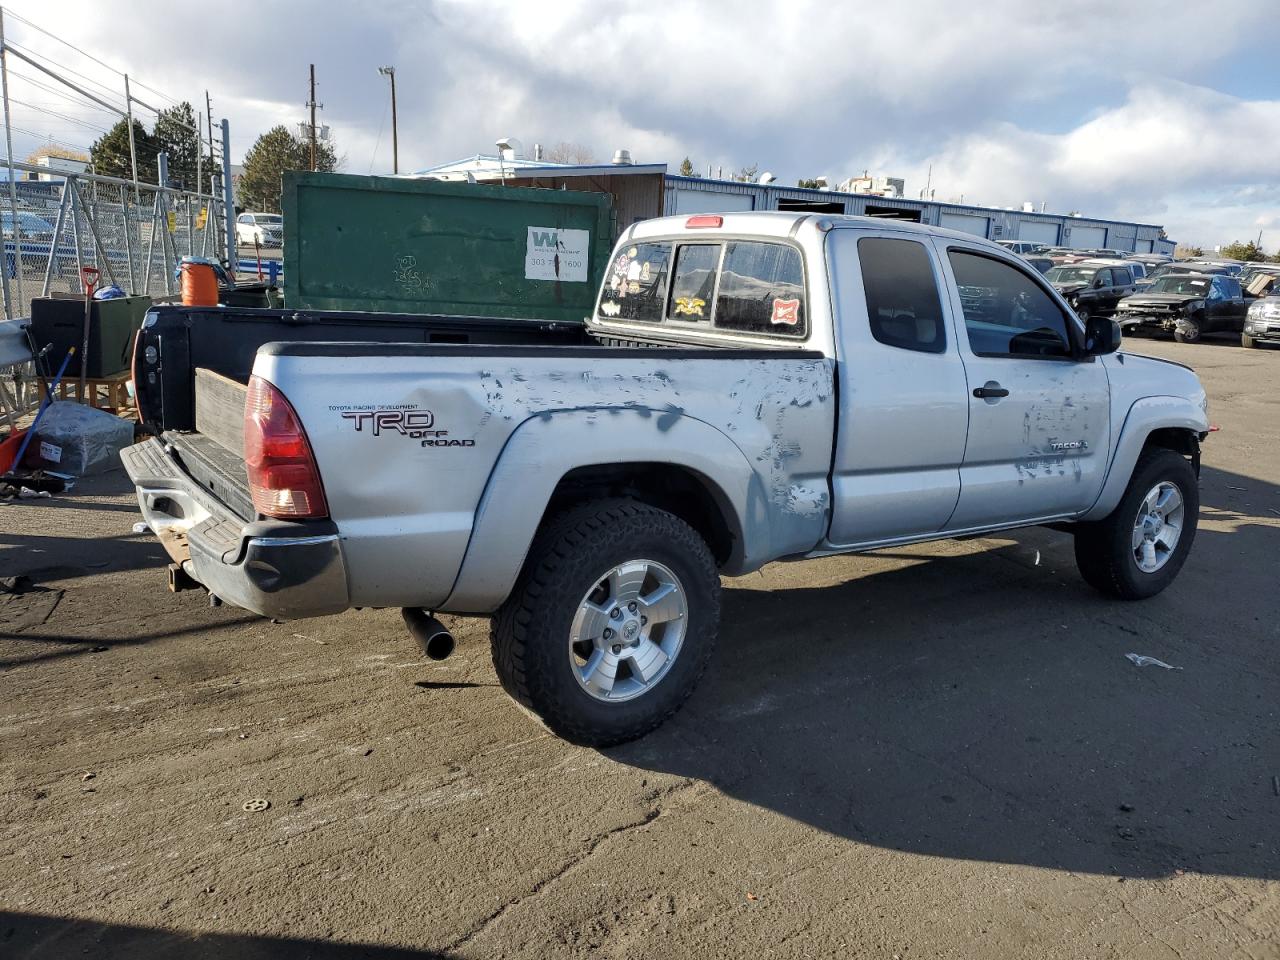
[(135, 237), (54, 225)]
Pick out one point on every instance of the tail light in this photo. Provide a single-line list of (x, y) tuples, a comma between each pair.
[(283, 479), (705, 220)]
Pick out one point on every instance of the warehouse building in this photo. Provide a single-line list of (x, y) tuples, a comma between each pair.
[(643, 191)]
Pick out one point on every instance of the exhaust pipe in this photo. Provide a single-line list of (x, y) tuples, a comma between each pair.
[(433, 637)]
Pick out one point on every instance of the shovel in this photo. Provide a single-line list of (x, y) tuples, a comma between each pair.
[(89, 276)]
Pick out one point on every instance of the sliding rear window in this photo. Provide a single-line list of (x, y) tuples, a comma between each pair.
[(761, 290), (736, 286)]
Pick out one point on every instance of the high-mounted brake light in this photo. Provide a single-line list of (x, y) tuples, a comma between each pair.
[(705, 220), (283, 479)]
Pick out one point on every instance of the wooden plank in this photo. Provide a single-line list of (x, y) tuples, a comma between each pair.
[(220, 409)]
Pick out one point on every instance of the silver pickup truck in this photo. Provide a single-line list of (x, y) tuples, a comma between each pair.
[(750, 388)]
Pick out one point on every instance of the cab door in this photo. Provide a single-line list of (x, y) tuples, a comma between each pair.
[(1039, 410), (903, 411)]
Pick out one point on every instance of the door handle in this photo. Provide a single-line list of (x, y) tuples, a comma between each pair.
[(990, 391)]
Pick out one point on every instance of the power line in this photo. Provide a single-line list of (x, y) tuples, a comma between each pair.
[(48, 137), (108, 92), (89, 56), (60, 116), (57, 92)]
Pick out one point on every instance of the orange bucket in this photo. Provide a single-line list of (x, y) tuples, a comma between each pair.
[(199, 285)]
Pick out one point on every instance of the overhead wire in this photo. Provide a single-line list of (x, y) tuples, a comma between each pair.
[(86, 54), (89, 56)]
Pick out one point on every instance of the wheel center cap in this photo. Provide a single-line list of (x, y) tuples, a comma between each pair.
[(630, 630)]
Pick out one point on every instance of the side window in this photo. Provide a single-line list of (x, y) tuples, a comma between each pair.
[(1006, 314), (761, 289), (693, 282), (636, 283), (903, 306), (245, 218)]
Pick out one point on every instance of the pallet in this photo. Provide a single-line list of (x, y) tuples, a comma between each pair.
[(114, 392)]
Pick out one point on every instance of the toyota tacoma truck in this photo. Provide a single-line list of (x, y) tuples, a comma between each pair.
[(749, 388)]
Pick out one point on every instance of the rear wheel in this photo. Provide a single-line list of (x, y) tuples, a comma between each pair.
[(1138, 550), (611, 624)]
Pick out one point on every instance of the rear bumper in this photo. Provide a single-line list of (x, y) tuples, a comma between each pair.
[(276, 568)]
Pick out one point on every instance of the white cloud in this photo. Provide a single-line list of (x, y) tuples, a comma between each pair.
[(1094, 106)]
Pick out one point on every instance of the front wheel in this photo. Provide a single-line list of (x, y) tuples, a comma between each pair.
[(1247, 341), (1188, 331), (611, 624), (1138, 549)]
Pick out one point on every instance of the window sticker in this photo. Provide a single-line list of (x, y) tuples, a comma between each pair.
[(785, 312), (692, 306)]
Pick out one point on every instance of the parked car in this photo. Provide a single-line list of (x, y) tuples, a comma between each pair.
[(749, 387), (1262, 322), (1041, 263), (1181, 268), (1187, 305), (1137, 268), (1023, 248), (1260, 279), (1232, 267), (1092, 289), (32, 228), (265, 229)]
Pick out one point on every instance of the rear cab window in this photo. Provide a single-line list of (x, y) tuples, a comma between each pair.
[(733, 286)]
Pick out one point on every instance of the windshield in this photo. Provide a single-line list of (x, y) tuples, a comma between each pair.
[(1191, 286), (270, 218), (1071, 274)]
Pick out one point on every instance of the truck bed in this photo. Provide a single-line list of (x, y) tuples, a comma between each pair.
[(226, 341)]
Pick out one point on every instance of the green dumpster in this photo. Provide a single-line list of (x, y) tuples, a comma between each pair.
[(425, 246)]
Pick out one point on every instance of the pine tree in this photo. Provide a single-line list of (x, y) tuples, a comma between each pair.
[(110, 153), (271, 155), (686, 167), (176, 134)]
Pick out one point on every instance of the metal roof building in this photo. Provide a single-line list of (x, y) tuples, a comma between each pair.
[(641, 191)]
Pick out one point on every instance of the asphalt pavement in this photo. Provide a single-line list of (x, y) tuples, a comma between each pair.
[(933, 751)]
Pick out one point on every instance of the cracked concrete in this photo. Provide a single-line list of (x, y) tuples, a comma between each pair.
[(932, 752)]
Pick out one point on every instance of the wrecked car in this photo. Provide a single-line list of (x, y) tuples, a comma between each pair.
[(749, 388), (1092, 289), (1186, 305)]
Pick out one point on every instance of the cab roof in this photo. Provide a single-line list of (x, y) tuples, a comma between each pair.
[(785, 223)]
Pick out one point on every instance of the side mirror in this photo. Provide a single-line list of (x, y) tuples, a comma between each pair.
[(1097, 282), (1102, 336)]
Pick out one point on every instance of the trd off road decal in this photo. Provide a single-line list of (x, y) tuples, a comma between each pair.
[(405, 421)]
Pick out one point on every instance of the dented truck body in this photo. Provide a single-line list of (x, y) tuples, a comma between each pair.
[(778, 386)]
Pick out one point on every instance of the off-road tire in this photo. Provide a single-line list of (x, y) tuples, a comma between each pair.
[(530, 632), (1104, 550)]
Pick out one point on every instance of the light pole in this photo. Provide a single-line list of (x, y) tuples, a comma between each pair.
[(395, 136)]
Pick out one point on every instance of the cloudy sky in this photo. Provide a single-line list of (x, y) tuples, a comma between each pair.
[(1163, 112)]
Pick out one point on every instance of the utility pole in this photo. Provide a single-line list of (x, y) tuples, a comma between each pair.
[(395, 137), (312, 104)]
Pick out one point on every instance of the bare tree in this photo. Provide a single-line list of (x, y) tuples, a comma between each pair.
[(564, 152), (746, 174)]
